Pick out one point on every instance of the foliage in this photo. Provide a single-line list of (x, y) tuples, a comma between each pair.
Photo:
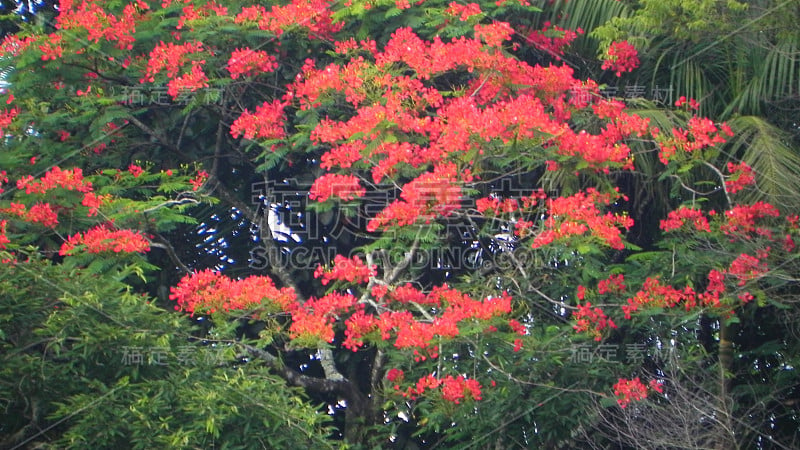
[(88, 363)]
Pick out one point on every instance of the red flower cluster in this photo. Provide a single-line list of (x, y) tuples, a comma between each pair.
[(507, 205), (614, 284), (702, 133), (353, 270), (170, 57), (597, 150), (517, 327), (494, 34), (429, 58), (431, 194), (98, 23), (345, 187), (655, 294), (463, 12), (208, 292), (741, 177), (676, 219), (173, 57), (715, 288), (246, 62), (189, 81), (312, 15), (135, 170), (314, 320), (552, 39), (94, 202), (311, 83), (746, 268), (198, 180), (357, 326), (395, 375), (52, 49), (425, 383), (3, 238), (411, 333), (409, 294), (192, 13), (693, 104), (102, 239), (55, 178), (13, 45), (577, 214), (454, 389), (458, 388), (621, 57), (42, 213), (6, 117), (633, 390), (741, 219), (593, 321), (265, 123)]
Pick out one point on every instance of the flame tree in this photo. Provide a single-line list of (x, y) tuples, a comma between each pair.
[(494, 259)]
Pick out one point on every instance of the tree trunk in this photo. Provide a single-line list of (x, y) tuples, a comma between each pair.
[(727, 439)]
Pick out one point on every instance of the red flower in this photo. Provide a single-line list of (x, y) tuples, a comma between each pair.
[(577, 214), (198, 181), (316, 14), (741, 176), (613, 284), (94, 202), (3, 238), (395, 375), (13, 46), (356, 327), (677, 218), (246, 62), (455, 389), (693, 104), (621, 57), (353, 270), (345, 187), (135, 170), (265, 123), (42, 213), (208, 291), (741, 219), (103, 239), (52, 49), (494, 34), (517, 327), (552, 39), (746, 268), (6, 117), (463, 12), (655, 294), (171, 57), (591, 320), (629, 391)]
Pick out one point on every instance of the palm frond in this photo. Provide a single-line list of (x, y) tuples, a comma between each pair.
[(769, 151), (585, 14), (775, 76)]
